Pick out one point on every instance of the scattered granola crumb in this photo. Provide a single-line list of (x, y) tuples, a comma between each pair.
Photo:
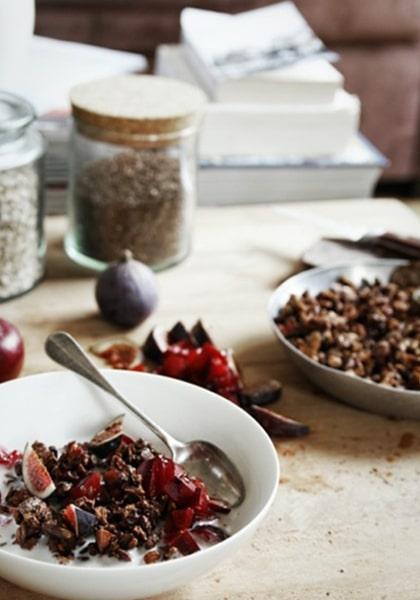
[(151, 556), (288, 451)]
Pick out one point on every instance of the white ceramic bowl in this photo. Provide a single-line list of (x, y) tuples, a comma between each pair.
[(58, 407)]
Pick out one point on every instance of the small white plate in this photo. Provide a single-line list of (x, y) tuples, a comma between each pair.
[(58, 407)]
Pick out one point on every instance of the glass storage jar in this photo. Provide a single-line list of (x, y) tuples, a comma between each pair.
[(22, 242), (133, 170)]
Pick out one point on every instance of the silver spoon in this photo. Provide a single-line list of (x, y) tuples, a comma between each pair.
[(200, 459)]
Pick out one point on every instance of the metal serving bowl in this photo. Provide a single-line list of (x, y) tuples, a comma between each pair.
[(363, 393)]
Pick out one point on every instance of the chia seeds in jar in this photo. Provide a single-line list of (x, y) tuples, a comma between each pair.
[(133, 170), (22, 243)]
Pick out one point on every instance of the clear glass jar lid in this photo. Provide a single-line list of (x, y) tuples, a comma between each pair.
[(19, 144), (16, 114)]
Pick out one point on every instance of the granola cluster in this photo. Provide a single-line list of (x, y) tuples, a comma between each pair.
[(371, 330)]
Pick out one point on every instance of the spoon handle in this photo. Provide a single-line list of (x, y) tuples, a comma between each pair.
[(62, 348)]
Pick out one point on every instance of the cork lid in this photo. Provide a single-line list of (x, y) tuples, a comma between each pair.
[(138, 104)]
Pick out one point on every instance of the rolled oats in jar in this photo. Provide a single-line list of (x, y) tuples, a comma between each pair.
[(22, 243), (133, 163)]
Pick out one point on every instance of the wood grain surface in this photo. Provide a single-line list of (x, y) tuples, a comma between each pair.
[(346, 521)]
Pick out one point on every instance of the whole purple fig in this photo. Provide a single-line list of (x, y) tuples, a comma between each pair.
[(126, 291)]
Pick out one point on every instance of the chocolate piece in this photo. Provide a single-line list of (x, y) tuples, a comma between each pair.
[(261, 394), (276, 424)]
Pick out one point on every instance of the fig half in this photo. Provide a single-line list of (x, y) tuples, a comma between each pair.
[(108, 439), (119, 352), (35, 474), (83, 522)]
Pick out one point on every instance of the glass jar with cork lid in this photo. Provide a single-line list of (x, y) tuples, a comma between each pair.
[(133, 170)]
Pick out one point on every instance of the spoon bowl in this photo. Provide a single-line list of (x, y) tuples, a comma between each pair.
[(210, 464)]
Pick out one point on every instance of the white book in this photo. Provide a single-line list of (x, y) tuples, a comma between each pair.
[(353, 174), (208, 35), (307, 130), (312, 81)]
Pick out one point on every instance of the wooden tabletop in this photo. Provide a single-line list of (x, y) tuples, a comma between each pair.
[(346, 521)]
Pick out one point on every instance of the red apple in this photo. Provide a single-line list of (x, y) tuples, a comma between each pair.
[(11, 351)]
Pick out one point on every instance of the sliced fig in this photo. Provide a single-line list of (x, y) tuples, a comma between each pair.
[(69, 513), (200, 334), (103, 539), (35, 474), (81, 521), (178, 333), (261, 393), (156, 345), (276, 424), (118, 352), (86, 521), (109, 438)]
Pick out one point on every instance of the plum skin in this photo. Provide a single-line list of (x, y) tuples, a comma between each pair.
[(126, 293)]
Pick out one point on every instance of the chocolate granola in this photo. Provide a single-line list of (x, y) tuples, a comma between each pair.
[(371, 330), (109, 497)]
